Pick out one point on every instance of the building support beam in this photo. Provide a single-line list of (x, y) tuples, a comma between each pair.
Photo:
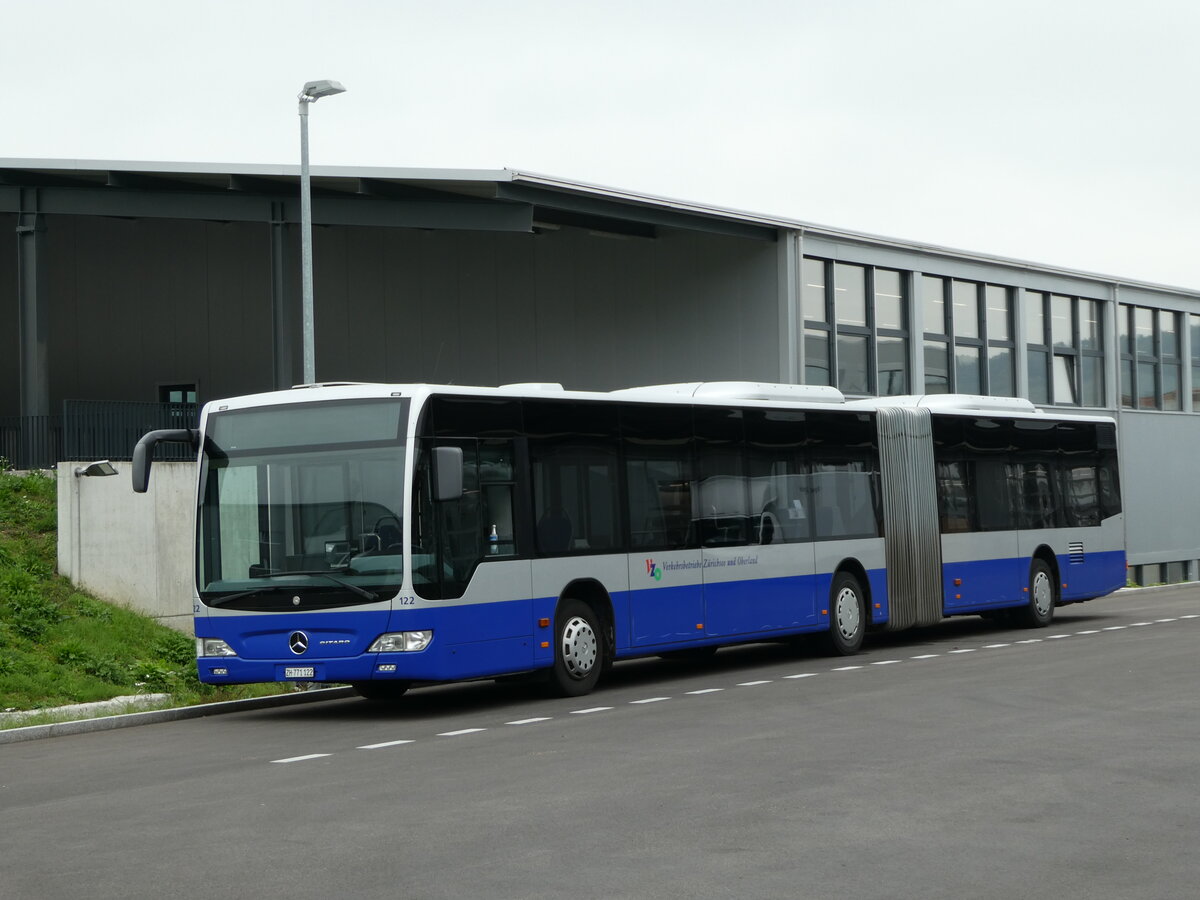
[(283, 374), (788, 281), (33, 307)]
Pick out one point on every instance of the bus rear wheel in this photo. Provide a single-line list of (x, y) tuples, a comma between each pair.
[(381, 691), (578, 650), (1040, 610), (847, 615)]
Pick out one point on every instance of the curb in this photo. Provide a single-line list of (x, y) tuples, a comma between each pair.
[(151, 717)]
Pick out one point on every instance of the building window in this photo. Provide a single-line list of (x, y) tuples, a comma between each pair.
[(177, 393), (1151, 369), (970, 324), (1065, 349), (1195, 327), (855, 327)]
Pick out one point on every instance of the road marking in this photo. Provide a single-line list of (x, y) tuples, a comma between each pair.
[(1109, 628), (1193, 616), (804, 675), (650, 700), (845, 668), (1139, 624), (301, 758), (530, 721), (384, 744), (995, 646), (966, 650), (1030, 641), (926, 656), (460, 731), (707, 691), (1093, 631), (1055, 637), (584, 712), (885, 662), (1164, 620), (751, 683)]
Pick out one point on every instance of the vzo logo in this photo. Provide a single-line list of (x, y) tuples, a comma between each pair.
[(653, 570)]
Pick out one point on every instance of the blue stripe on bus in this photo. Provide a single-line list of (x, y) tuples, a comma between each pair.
[(997, 583)]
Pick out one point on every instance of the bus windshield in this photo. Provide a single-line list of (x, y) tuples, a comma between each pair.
[(302, 495)]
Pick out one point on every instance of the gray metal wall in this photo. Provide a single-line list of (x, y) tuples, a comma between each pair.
[(10, 364), (1161, 490)]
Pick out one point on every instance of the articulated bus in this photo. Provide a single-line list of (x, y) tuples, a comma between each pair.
[(391, 535)]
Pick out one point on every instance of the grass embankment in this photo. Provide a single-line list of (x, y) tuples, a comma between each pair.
[(58, 645)]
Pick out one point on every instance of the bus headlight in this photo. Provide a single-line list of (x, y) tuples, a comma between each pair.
[(401, 642), (213, 647)]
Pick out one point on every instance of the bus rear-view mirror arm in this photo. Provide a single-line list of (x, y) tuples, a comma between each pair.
[(447, 473), (143, 451)]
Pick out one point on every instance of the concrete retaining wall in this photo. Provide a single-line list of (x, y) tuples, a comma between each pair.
[(132, 549)]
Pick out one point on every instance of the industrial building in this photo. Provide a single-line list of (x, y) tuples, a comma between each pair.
[(156, 285)]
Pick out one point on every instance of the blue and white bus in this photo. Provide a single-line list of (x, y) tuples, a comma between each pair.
[(386, 535)]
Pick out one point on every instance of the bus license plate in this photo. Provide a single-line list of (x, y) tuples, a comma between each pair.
[(298, 672)]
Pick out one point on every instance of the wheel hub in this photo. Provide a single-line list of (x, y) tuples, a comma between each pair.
[(580, 647)]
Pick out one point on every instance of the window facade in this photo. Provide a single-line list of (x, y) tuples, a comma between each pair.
[(1151, 368), (968, 337), (855, 327), (1065, 349)]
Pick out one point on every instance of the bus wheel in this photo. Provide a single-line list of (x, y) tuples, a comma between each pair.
[(847, 615), (1040, 610), (380, 691), (579, 650)]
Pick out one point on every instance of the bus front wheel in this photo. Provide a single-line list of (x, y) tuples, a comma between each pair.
[(579, 650), (847, 615), (1040, 610)]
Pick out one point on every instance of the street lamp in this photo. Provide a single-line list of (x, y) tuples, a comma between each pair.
[(312, 92)]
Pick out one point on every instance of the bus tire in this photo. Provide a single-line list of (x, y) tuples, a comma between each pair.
[(578, 650), (381, 691), (847, 615), (1040, 610)]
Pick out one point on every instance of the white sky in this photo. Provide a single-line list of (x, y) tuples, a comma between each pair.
[(1058, 131)]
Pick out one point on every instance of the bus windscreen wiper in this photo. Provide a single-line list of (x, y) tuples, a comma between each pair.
[(353, 588)]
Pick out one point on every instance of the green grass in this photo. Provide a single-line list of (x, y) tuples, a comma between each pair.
[(58, 645)]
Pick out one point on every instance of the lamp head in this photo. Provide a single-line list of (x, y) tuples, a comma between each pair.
[(315, 90)]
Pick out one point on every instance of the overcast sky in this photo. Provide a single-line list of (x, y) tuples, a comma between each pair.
[(1057, 131)]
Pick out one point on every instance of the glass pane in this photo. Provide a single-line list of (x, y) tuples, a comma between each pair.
[(937, 368), (812, 294), (893, 366), (1147, 387), (1196, 387), (889, 304), (1124, 344), (1091, 374), (852, 364), (1127, 382), (1168, 330), (998, 312), (1000, 372), (1060, 321), (966, 310), (1143, 330), (1064, 380), (816, 357), (1195, 320), (1171, 398), (933, 298), (1039, 383), (967, 374), (1089, 324), (850, 294), (1035, 317)]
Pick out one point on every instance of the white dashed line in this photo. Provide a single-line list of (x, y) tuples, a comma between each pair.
[(1193, 616), (804, 675), (1109, 628), (965, 650), (530, 721), (1164, 620), (461, 731), (1093, 631), (707, 691), (382, 745), (1055, 637), (1030, 641), (584, 712), (751, 683), (649, 700), (926, 656), (301, 758), (846, 668), (1139, 624), (885, 662), (995, 646)]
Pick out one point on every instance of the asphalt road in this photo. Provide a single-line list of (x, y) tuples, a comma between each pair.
[(962, 761)]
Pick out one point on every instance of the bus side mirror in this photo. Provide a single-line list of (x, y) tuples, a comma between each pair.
[(143, 453), (447, 473)]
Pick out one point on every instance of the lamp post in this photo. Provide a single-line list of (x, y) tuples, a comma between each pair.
[(312, 92)]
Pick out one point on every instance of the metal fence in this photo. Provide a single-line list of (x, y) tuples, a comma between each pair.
[(92, 429)]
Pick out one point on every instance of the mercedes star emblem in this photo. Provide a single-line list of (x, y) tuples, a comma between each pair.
[(298, 641)]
